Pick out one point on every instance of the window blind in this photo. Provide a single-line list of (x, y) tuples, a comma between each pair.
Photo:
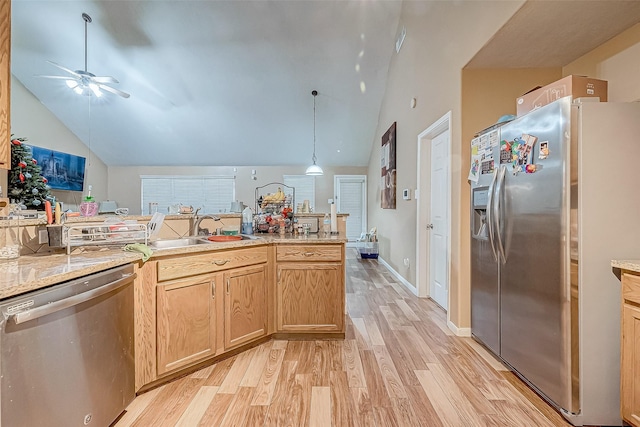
[(213, 194), (305, 187), (351, 202)]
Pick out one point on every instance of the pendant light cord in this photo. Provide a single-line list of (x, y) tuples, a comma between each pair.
[(314, 169), (314, 129), (314, 93)]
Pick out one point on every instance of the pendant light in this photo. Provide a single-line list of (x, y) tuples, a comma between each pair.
[(314, 169)]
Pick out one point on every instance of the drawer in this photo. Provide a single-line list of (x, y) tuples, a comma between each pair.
[(309, 253), (208, 262), (631, 287)]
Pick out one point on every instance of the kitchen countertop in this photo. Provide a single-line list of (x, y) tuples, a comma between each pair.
[(32, 272), (630, 265)]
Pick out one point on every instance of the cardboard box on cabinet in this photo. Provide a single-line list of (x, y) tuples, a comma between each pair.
[(576, 86)]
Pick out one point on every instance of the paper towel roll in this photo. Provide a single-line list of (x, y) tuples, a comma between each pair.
[(334, 219)]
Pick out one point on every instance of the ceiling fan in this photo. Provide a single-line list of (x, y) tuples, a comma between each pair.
[(84, 82)]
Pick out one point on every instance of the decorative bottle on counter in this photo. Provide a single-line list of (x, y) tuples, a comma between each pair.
[(89, 207)]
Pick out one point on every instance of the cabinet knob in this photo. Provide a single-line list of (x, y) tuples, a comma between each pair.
[(220, 261)]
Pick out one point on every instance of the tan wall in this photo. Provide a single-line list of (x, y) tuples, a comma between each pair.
[(618, 62), (32, 120), (441, 38), (124, 182)]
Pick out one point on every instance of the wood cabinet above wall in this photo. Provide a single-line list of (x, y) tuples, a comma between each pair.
[(5, 81)]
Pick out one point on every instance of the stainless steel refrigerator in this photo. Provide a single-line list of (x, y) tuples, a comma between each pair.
[(554, 199)]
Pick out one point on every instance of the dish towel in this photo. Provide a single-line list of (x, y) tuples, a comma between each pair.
[(140, 247)]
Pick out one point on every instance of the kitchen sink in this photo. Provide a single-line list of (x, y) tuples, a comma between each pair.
[(190, 241), (178, 243)]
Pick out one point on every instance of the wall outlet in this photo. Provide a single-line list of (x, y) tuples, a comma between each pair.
[(43, 236), (406, 262)]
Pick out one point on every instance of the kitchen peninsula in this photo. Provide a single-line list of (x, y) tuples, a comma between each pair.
[(201, 303)]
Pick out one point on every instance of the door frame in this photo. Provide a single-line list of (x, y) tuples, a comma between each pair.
[(425, 138), (336, 186)]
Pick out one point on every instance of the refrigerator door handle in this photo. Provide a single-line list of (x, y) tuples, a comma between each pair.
[(497, 205), (490, 201)]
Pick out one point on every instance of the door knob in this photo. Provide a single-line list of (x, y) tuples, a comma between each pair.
[(429, 226)]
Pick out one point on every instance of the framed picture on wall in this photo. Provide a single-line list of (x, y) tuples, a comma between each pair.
[(63, 171), (388, 168)]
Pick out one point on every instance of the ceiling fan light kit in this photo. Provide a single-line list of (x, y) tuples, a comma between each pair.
[(83, 82), (314, 169)]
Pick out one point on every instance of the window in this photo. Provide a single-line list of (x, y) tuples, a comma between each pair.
[(305, 187), (213, 194)]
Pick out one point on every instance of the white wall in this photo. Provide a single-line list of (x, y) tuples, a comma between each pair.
[(124, 182), (32, 120)]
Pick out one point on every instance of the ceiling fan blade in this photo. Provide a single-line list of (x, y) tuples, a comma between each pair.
[(104, 79), (112, 90), (56, 77), (64, 68)]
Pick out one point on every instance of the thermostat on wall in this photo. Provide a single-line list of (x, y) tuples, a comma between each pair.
[(406, 194)]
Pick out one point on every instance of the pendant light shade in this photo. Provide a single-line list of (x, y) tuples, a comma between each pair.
[(314, 169)]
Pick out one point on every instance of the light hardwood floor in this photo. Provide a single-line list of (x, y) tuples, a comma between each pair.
[(398, 366)]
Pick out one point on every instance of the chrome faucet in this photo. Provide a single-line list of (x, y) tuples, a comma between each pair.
[(197, 231)]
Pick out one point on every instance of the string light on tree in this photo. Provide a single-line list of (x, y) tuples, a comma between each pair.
[(27, 186)]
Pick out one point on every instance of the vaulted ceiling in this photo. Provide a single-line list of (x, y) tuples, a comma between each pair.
[(229, 82), (213, 82)]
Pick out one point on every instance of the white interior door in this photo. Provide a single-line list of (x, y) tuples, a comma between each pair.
[(351, 198), (439, 225)]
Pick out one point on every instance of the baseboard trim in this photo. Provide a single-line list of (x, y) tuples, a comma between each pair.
[(460, 332), (397, 275)]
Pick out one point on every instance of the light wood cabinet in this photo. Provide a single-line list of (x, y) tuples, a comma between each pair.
[(186, 322), (630, 351), (5, 84), (173, 268), (310, 289), (191, 309), (206, 303), (245, 309)]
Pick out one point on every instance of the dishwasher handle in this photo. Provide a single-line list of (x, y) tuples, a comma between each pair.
[(44, 310)]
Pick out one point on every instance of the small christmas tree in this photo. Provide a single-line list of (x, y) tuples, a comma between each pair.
[(27, 186)]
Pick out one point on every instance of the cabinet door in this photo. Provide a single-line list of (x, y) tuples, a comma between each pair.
[(5, 81), (310, 298), (631, 364), (186, 322), (245, 305)]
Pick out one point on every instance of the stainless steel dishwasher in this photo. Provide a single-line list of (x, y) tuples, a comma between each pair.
[(67, 352)]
